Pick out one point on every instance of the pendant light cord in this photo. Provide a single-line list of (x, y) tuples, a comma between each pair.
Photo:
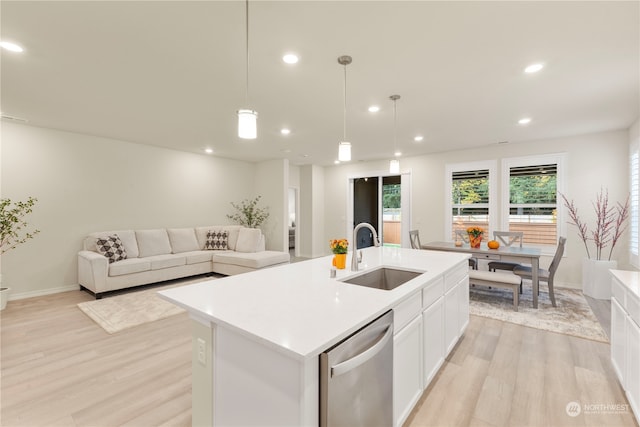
[(344, 121), (395, 126), (247, 48)]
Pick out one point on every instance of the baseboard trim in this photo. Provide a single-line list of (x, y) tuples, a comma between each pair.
[(31, 294)]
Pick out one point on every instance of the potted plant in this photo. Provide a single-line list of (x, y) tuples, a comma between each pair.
[(248, 214), (13, 232), (610, 225)]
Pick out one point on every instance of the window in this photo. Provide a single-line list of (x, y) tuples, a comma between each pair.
[(634, 185), (470, 198), (530, 192)]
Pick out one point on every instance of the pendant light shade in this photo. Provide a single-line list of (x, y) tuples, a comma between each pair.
[(344, 147), (247, 124), (247, 118), (344, 151), (394, 164)]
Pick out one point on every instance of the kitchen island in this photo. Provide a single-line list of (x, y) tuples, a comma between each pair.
[(257, 337)]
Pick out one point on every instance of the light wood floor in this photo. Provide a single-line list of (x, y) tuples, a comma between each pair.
[(58, 368)]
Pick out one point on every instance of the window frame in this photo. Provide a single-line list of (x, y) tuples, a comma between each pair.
[(634, 201), (450, 168), (559, 159)]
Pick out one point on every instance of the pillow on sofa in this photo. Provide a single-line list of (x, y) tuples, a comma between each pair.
[(248, 240), (183, 240), (111, 247), (217, 240), (153, 242)]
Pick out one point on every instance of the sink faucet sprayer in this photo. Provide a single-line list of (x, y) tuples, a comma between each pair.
[(355, 258)]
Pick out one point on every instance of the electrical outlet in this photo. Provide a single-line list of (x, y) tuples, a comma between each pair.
[(202, 351)]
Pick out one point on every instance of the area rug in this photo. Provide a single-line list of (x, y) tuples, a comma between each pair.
[(119, 312), (572, 316)]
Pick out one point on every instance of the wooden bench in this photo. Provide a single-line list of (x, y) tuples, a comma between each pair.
[(497, 280)]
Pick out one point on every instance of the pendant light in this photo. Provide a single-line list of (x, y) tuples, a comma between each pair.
[(394, 164), (247, 118), (344, 147)]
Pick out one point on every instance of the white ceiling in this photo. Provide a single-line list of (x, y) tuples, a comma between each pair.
[(172, 73)]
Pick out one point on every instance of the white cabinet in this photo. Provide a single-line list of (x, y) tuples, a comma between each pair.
[(451, 316), (463, 307), (618, 340), (433, 339), (407, 369), (633, 366), (625, 334)]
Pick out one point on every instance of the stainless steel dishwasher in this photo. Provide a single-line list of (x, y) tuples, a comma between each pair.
[(356, 378)]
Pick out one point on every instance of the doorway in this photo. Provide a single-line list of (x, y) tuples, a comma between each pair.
[(384, 202), (293, 222)]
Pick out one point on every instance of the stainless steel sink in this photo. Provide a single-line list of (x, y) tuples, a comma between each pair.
[(383, 278)]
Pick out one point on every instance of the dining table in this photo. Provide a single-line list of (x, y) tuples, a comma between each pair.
[(526, 254)]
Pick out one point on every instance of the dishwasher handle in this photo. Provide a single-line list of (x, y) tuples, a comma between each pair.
[(363, 357)]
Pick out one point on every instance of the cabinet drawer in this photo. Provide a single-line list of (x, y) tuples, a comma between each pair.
[(633, 308), (618, 291), (454, 276), (487, 256), (432, 292), (404, 312)]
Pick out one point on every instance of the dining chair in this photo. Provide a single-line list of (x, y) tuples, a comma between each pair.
[(414, 238), (506, 238), (464, 236), (525, 272)]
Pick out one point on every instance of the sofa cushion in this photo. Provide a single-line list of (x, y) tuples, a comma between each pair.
[(217, 240), (159, 262), (153, 242), (182, 240), (252, 260), (248, 240), (129, 266), (127, 237), (111, 247), (197, 257)]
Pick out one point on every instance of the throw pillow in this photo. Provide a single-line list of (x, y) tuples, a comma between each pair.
[(111, 247), (217, 240)]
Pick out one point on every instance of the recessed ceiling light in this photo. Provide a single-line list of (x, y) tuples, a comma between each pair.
[(208, 150), (374, 109), (524, 121), (11, 46), (418, 138), (336, 162), (286, 150), (290, 58), (285, 131), (397, 153), (534, 68)]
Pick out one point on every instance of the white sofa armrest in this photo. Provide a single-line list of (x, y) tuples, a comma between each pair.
[(92, 271)]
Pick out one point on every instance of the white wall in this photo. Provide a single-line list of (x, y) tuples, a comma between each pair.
[(85, 183), (594, 161), (312, 212), (272, 183)]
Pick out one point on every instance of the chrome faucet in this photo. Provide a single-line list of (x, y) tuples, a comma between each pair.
[(355, 258)]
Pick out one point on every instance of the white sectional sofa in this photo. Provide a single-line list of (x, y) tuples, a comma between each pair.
[(161, 254)]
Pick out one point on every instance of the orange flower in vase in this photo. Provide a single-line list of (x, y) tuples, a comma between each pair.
[(339, 248), (475, 236)]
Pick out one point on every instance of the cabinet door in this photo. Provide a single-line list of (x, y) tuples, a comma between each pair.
[(618, 340), (463, 308), (451, 318), (433, 339), (632, 379), (407, 369)]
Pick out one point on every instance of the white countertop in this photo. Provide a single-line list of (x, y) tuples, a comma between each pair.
[(630, 279), (297, 308)]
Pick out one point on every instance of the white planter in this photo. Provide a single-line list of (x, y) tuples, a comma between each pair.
[(596, 279)]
